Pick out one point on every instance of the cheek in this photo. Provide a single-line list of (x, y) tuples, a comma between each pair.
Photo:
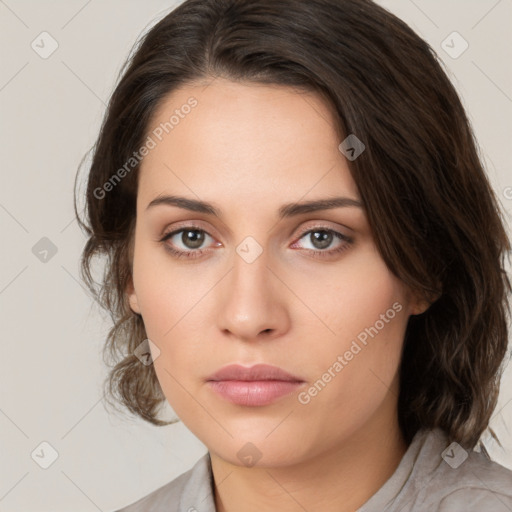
[(357, 378), (167, 293), (353, 297), (365, 308), (172, 299)]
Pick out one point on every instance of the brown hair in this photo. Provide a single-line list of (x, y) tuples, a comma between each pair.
[(436, 221)]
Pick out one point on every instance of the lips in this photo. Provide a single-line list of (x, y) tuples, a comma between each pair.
[(257, 372), (253, 386)]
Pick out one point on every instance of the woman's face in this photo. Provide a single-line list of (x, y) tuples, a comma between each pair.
[(305, 291)]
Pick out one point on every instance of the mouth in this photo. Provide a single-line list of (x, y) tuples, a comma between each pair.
[(253, 386)]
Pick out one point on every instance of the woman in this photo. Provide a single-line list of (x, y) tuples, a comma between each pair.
[(304, 258)]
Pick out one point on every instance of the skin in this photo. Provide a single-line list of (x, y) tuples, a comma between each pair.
[(248, 149)]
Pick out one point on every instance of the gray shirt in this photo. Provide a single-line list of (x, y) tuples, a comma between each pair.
[(433, 476)]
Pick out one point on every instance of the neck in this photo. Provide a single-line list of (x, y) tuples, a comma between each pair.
[(340, 480)]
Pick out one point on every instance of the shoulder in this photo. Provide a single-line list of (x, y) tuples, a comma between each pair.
[(164, 498), (478, 484), (167, 498), (436, 474), (476, 499), (464, 480)]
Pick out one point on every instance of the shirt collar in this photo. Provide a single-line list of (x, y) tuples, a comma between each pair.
[(198, 492)]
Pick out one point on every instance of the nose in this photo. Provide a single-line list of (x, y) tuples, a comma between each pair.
[(251, 302)]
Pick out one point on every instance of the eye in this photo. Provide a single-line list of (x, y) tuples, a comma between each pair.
[(321, 238), (186, 242)]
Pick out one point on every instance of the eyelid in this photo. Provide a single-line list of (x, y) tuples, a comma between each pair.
[(323, 224), (181, 225), (193, 224), (345, 240)]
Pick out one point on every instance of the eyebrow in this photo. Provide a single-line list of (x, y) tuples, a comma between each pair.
[(286, 210)]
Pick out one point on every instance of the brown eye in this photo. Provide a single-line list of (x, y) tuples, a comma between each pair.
[(192, 239), (186, 242), (322, 238)]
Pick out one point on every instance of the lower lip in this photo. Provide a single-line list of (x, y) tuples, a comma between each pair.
[(253, 393)]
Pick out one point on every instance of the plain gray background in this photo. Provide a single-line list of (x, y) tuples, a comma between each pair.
[(51, 370)]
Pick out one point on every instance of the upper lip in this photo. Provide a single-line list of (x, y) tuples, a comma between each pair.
[(253, 373)]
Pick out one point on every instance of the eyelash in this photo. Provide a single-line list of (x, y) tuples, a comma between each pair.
[(192, 254)]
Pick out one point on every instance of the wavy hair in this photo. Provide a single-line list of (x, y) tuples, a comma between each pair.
[(435, 218)]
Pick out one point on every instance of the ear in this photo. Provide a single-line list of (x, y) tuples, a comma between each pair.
[(419, 306), (419, 303), (132, 297)]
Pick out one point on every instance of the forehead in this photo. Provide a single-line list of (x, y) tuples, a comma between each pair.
[(245, 140)]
